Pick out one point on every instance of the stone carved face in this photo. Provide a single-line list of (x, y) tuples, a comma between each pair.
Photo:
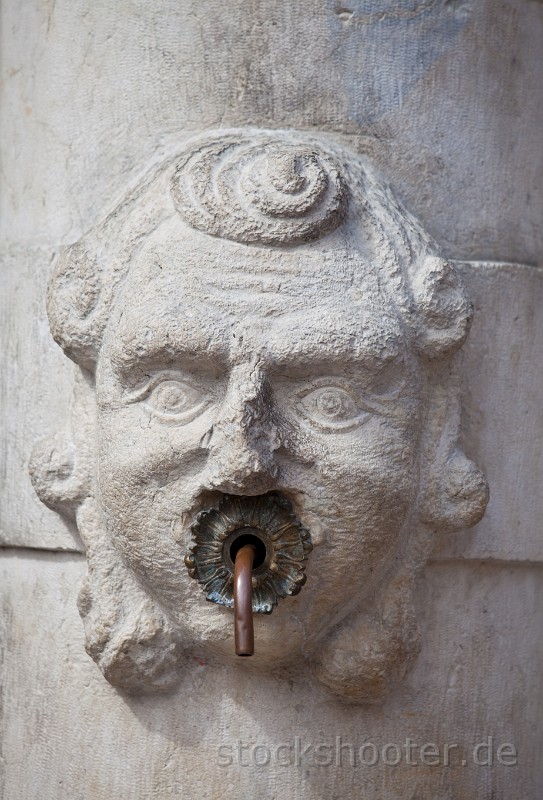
[(221, 386), (260, 316)]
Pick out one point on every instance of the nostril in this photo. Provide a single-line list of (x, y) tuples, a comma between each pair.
[(248, 482), (239, 464)]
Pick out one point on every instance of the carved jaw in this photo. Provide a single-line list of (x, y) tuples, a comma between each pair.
[(268, 521)]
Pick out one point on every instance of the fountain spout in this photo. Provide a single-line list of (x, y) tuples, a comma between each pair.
[(243, 601)]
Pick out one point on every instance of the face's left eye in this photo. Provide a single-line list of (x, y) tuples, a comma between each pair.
[(332, 408), (176, 400)]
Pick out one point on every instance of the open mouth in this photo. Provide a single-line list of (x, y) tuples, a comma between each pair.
[(268, 523)]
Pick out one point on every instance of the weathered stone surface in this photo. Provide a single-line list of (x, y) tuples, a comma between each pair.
[(503, 415), (35, 391)]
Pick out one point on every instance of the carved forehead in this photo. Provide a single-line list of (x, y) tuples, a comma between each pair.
[(189, 291), (176, 259), (173, 246)]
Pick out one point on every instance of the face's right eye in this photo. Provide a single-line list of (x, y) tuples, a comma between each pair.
[(174, 400)]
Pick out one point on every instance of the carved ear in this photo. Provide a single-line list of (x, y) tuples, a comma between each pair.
[(456, 494), (61, 464), (368, 655), (58, 480), (443, 310), (72, 302), (453, 490)]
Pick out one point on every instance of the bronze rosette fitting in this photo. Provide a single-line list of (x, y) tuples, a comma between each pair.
[(279, 542)]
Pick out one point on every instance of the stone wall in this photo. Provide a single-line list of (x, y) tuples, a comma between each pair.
[(445, 99)]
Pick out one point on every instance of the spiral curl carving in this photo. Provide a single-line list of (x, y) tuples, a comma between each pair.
[(264, 189)]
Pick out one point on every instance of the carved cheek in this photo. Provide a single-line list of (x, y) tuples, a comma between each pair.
[(147, 480), (360, 500), (380, 454), (370, 477), (133, 442), (148, 476)]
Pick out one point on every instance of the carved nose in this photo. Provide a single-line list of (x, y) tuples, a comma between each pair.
[(244, 438), (250, 475)]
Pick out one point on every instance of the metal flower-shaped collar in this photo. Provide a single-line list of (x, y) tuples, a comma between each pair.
[(282, 548)]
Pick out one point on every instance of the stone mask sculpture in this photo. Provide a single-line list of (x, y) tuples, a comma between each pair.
[(259, 322)]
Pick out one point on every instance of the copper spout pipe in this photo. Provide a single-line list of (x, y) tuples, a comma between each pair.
[(243, 601)]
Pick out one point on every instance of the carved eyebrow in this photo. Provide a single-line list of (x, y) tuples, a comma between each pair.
[(312, 360), (307, 359), (140, 354), (372, 344)]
